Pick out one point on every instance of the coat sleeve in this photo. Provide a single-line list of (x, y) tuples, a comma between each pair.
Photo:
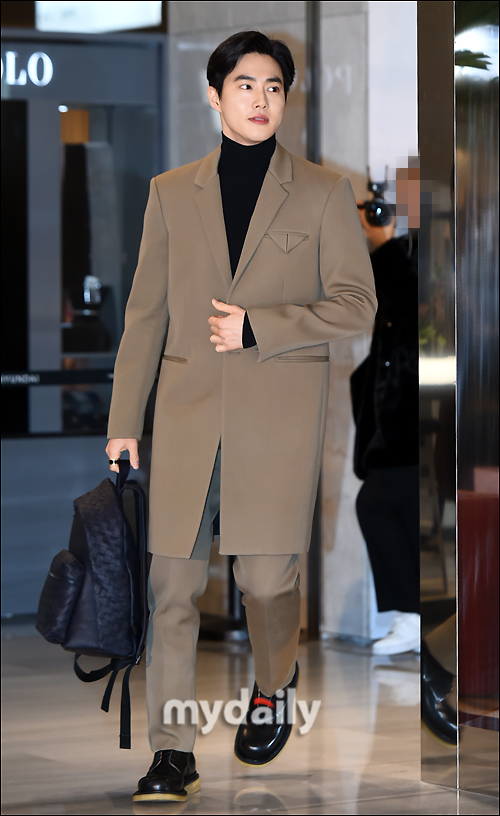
[(349, 303), (146, 322)]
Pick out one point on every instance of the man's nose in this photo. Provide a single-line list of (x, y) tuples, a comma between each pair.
[(261, 100)]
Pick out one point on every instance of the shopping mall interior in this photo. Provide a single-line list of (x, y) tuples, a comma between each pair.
[(396, 707)]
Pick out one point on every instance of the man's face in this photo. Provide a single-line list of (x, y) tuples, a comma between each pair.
[(252, 103), (408, 195)]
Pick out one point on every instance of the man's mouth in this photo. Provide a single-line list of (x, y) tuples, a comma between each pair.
[(260, 120)]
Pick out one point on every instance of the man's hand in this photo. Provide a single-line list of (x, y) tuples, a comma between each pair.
[(227, 332), (115, 447), (376, 235)]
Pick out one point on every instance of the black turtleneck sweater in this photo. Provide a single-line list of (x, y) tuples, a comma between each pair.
[(242, 170)]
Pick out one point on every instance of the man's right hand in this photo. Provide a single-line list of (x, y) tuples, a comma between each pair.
[(115, 447)]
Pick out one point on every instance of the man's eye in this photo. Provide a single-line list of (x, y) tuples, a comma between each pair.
[(275, 88), (245, 86)]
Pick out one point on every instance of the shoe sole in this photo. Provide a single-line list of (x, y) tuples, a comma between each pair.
[(257, 764), (192, 787)]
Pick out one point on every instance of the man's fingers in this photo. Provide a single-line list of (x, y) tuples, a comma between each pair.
[(224, 307), (220, 331), (116, 447), (218, 342), (133, 449)]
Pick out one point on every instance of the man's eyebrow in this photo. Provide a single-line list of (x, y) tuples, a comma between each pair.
[(253, 79)]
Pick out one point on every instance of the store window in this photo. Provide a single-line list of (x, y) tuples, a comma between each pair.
[(76, 168), (102, 202)]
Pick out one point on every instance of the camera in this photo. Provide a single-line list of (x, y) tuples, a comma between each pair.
[(377, 211)]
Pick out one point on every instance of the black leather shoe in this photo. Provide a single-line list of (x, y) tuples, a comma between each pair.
[(171, 777), (267, 725), (437, 713)]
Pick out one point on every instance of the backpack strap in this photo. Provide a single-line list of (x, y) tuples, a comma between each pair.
[(140, 509), (125, 709), (123, 472), (91, 676), (125, 719), (114, 666)]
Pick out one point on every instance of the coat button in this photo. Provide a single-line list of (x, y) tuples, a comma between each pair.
[(387, 363), (390, 325)]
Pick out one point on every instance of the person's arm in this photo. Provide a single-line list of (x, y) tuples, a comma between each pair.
[(349, 304), (146, 321)]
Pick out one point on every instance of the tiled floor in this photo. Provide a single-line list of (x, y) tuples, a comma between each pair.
[(361, 756)]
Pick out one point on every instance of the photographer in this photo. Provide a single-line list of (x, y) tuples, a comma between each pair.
[(384, 391)]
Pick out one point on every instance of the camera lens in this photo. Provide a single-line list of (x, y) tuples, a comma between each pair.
[(378, 212)]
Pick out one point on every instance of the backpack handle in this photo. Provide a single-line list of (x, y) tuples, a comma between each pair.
[(140, 509), (122, 475)]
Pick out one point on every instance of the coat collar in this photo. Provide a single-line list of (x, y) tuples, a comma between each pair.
[(280, 166), (209, 202)]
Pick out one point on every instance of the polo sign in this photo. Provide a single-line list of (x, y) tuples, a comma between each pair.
[(39, 69)]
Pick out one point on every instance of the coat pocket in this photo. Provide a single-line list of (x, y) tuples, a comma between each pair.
[(174, 359), (59, 596), (287, 240), (304, 358)]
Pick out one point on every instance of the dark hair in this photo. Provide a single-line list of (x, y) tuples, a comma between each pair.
[(227, 55)]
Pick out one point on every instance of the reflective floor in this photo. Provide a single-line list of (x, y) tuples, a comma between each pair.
[(361, 755)]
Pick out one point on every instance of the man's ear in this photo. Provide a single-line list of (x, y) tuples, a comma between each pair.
[(213, 98)]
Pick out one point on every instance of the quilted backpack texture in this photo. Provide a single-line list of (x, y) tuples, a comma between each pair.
[(94, 600)]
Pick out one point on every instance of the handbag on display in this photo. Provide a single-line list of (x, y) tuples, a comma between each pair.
[(94, 600)]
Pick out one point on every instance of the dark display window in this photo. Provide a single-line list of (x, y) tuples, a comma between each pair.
[(75, 182), (103, 201), (14, 261)]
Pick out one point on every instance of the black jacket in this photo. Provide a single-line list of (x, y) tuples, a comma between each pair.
[(384, 388)]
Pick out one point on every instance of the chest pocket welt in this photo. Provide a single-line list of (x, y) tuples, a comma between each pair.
[(287, 240), (303, 358), (174, 359)]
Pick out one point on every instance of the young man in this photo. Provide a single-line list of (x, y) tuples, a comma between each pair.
[(384, 392), (274, 245)]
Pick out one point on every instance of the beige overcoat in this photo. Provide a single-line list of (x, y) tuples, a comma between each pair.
[(305, 278)]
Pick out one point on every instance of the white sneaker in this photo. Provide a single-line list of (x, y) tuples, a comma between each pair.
[(404, 635)]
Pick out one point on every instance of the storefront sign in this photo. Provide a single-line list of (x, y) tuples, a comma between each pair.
[(93, 72), (39, 69)]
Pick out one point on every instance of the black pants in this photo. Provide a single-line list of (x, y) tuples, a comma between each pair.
[(388, 514)]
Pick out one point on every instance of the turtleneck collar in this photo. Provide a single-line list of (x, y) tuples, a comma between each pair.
[(246, 158)]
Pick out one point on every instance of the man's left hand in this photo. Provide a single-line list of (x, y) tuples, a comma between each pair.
[(227, 332)]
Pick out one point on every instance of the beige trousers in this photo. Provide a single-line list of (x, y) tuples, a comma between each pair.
[(270, 587)]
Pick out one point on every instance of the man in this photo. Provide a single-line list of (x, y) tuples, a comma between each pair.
[(385, 405), (274, 245)]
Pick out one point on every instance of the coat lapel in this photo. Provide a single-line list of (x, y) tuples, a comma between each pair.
[(271, 198), (209, 203)]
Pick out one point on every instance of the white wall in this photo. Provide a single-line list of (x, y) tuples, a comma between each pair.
[(392, 83)]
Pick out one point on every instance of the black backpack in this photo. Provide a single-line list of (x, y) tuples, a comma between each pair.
[(94, 600)]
